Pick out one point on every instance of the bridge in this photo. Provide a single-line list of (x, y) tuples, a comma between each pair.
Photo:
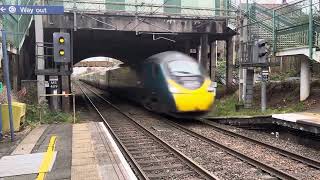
[(127, 30), (131, 30), (94, 64)]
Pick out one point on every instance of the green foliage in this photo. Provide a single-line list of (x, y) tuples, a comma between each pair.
[(221, 67), (41, 114), (226, 107), (282, 76)]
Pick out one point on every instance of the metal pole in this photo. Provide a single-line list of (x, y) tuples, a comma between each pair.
[(263, 93), (274, 30), (1, 122), (7, 78), (310, 37)]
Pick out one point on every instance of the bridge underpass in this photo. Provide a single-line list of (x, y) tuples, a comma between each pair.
[(129, 47), (128, 38)]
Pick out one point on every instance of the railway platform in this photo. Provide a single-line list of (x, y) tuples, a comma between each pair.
[(307, 121), (65, 151)]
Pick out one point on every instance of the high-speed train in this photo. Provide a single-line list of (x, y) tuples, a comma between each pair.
[(171, 83)]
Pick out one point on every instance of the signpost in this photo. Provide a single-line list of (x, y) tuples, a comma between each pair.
[(31, 10), (20, 10)]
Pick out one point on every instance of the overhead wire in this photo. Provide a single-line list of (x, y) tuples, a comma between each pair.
[(280, 14), (153, 12)]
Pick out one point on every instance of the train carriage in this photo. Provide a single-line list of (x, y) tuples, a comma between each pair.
[(169, 82)]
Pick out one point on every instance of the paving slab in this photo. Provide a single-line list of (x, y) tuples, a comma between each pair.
[(27, 144)]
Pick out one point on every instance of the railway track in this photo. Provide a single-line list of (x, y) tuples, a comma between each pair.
[(303, 159), (149, 156), (261, 165), (270, 169)]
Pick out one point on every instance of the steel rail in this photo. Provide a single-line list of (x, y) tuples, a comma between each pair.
[(137, 169), (278, 173), (199, 169), (297, 157)]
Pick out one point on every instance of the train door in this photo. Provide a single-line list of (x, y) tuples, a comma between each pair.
[(151, 79)]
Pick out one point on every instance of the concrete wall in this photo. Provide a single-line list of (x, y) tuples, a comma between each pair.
[(100, 5)]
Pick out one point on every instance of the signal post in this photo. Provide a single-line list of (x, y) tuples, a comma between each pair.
[(254, 57), (57, 69), (62, 56)]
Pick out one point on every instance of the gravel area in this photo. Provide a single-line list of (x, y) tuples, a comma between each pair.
[(280, 143), (220, 163), (213, 159), (257, 152), (133, 136)]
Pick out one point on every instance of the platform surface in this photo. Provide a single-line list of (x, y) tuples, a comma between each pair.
[(83, 151), (311, 117)]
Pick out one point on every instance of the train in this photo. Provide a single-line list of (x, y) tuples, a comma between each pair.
[(169, 83)]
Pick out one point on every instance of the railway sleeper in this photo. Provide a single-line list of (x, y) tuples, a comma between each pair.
[(134, 139), (140, 144), (122, 129), (159, 155), (155, 161), (164, 167), (170, 174), (139, 147), (149, 151)]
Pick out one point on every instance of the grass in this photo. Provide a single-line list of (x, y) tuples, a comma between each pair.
[(41, 114), (225, 107)]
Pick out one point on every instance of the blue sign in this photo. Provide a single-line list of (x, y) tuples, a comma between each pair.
[(31, 10)]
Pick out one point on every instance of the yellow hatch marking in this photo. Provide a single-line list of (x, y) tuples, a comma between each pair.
[(48, 157)]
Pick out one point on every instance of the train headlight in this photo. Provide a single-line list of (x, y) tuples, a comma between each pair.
[(212, 87), (173, 89)]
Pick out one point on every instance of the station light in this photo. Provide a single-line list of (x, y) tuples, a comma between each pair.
[(61, 52), (61, 40), (61, 46)]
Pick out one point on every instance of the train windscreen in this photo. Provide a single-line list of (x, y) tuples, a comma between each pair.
[(186, 73)]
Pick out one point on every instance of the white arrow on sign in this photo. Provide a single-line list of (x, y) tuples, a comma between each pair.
[(3, 9)]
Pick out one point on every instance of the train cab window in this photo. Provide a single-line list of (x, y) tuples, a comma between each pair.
[(184, 68)]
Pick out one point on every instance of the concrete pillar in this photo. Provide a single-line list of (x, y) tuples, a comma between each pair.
[(213, 60), (40, 58), (229, 63), (304, 79), (204, 51), (199, 54), (187, 47), (241, 84), (15, 73), (281, 64), (249, 88)]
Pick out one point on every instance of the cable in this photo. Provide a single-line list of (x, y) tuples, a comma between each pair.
[(279, 14), (150, 14)]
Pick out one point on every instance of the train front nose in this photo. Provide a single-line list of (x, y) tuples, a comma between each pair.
[(193, 102), (197, 100)]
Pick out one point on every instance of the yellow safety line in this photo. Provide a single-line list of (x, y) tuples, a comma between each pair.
[(48, 157)]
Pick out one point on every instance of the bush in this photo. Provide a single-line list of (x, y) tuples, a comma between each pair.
[(41, 114)]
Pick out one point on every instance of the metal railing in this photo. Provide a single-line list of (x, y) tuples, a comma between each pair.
[(286, 26), (17, 25), (142, 8)]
